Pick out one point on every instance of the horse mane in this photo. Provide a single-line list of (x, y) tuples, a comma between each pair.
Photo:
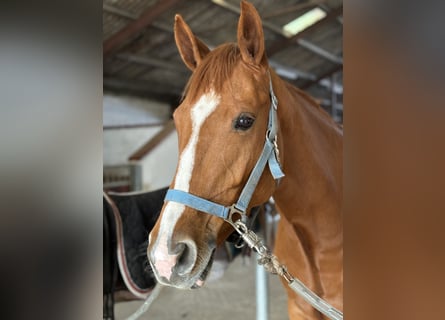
[(312, 103), (213, 71)]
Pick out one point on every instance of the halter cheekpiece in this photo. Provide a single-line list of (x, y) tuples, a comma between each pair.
[(269, 155)]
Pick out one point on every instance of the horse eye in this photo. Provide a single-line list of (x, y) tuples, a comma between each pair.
[(243, 122)]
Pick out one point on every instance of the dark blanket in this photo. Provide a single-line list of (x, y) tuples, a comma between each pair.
[(130, 219)]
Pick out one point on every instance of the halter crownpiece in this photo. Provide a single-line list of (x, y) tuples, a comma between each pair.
[(269, 155)]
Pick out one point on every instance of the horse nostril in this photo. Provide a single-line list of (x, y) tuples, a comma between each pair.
[(186, 257)]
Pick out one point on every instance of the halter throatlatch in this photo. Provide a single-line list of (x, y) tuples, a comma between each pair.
[(269, 155)]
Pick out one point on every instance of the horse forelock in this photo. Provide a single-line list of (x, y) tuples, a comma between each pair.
[(213, 71)]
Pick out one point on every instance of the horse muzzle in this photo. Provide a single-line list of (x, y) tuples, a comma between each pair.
[(183, 266)]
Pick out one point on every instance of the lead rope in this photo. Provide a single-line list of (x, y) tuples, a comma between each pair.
[(271, 264), (147, 303)]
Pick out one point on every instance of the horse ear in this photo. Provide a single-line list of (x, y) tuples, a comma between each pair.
[(250, 34), (192, 49)]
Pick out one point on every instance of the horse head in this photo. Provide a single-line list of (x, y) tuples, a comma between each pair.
[(221, 123)]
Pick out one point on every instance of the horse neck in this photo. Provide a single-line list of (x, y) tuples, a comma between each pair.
[(311, 146)]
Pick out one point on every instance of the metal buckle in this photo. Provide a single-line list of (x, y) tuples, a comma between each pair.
[(277, 152), (238, 223), (274, 100), (275, 144), (267, 135), (233, 210)]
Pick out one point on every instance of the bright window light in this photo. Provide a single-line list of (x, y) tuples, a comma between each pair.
[(303, 21)]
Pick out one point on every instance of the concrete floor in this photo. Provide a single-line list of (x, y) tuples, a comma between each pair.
[(231, 297)]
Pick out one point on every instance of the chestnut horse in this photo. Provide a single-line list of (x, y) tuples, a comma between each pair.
[(222, 123)]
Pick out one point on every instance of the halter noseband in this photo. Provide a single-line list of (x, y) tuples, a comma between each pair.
[(269, 155)]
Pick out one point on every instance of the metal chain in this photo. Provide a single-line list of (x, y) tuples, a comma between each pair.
[(271, 264)]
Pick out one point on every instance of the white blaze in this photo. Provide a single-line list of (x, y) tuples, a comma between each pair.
[(164, 262)]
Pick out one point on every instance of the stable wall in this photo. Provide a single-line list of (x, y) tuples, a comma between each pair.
[(159, 166)]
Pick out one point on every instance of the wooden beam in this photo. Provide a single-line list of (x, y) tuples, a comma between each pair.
[(130, 15), (328, 73), (135, 27), (153, 142), (293, 8), (152, 62), (319, 51), (132, 126), (281, 44), (120, 12), (160, 91)]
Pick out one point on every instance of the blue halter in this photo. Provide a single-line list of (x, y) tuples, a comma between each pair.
[(269, 155)]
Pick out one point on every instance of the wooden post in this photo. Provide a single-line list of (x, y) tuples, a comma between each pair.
[(153, 142)]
